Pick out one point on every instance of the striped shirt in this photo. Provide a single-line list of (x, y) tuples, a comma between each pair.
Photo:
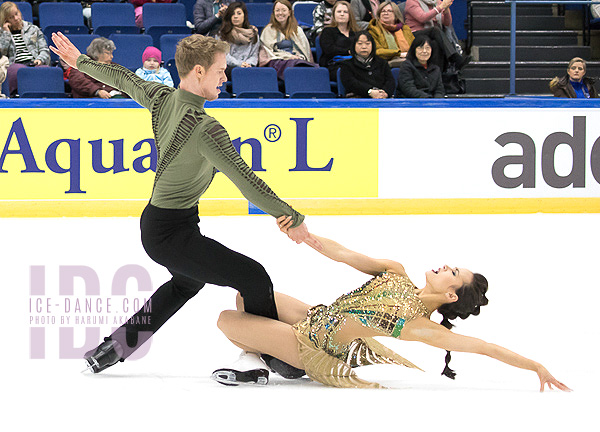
[(22, 54)]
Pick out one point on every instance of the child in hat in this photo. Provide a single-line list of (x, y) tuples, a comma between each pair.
[(151, 69)]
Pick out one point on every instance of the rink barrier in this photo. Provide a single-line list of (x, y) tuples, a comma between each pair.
[(316, 207), (464, 161)]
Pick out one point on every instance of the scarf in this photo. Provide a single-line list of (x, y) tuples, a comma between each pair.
[(581, 89), (365, 61), (243, 36), (427, 5), (394, 37)]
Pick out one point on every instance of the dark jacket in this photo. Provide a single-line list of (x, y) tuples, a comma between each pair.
[(333, 43), (414, 81), (205, 21), (84, 86), (358, 78), (561, 87)]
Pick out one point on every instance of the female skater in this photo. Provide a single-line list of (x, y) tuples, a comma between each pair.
[(328, 341)]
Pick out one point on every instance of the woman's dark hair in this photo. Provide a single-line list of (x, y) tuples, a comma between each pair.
[(471, 297), (227, 25), (419, 41), (355, 39)]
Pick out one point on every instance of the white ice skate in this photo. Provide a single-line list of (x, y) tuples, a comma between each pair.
[(248, 369)]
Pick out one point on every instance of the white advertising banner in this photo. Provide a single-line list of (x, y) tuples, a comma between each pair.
[(489, 153)]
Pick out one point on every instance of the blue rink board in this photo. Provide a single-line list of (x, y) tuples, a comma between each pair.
[(513, 102)]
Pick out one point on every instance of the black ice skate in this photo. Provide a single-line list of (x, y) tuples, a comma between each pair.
[(107, 354), (248, 369), (282, 368)]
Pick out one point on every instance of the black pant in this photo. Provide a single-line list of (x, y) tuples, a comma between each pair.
[(172, 238)]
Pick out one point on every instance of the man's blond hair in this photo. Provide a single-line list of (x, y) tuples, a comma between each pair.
[(197, 50)]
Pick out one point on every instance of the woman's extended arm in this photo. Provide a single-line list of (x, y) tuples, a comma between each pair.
[(426, 331), (339, 253)]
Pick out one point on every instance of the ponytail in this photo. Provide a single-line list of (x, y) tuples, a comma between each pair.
[(470, 298), (447, 371)]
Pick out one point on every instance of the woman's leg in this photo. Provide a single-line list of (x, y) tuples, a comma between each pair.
[(289, 309), (261, 335)]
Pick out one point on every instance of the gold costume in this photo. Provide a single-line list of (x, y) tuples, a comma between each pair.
[(384, 304)]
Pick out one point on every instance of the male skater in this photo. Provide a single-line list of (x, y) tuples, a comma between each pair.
[(191, 147)]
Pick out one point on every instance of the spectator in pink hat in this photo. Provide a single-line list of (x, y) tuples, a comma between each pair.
[(151, 69)]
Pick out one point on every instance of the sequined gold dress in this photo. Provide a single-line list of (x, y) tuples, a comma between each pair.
[(384, 304)]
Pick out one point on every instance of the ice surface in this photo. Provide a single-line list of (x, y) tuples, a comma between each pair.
[(544, 293)]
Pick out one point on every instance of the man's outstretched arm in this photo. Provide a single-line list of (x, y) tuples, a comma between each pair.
[(114, 75)]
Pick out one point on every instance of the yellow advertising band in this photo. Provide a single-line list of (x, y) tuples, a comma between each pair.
[(316, 206)]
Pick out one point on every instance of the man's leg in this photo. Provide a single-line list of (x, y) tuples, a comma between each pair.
[(161, 306)]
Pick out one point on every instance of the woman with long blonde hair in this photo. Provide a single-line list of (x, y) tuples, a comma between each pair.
[(284, 44), (22, 42)]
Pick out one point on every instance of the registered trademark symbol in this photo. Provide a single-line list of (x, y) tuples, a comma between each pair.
[(272, 133)]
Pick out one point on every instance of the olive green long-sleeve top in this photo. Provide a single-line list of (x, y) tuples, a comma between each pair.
[(191, 145)]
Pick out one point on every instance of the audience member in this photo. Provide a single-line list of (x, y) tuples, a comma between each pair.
[(84, 86), (283, 41), (138, 7), (418, 77), (392, 37), (336, 38), (430, 17), (3, 68), (22, 42), (242, 37), (575, 84), (322, 14), (151, 69), (364, 11), (208, 16), (365, 74)]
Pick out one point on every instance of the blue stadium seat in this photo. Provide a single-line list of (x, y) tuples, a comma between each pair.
[(189, 9), (164, 18), (64, 17), (129, 49), (341, 90), (395, 73), (255, 82), (259, 14), (318, 49), (81, 42), (172, 68), (168, 44), (307, 82), (109, 18), (26, 10), (303, 11), (41, 82), (164, 14), (224, 93)]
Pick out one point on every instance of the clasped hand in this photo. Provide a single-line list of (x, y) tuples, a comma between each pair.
[(298, 234)]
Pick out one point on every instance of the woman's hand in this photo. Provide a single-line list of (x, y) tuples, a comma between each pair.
[(547, 379), (299, 234), (445, 4), (103, 94), (37, 62), (65, 49), (6, 27), (245, 65)]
